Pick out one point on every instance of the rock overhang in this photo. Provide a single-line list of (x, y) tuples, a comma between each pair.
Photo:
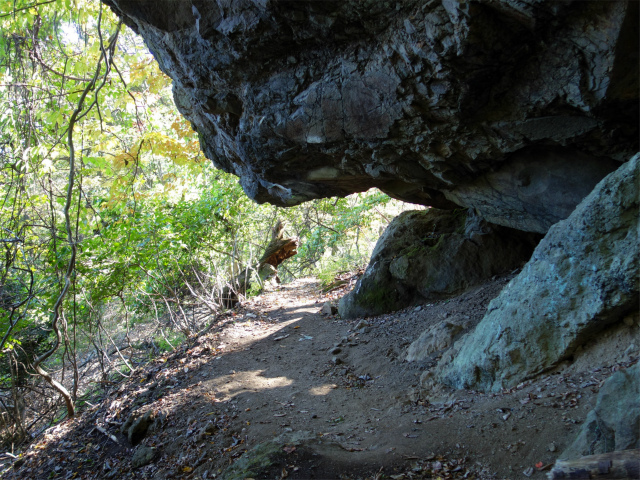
[(513, 109)]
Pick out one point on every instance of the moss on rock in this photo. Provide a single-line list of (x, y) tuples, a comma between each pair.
[(256, 462)]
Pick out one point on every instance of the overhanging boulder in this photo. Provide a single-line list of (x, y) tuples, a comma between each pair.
[(516, 109), (582, 277), (430, 254)]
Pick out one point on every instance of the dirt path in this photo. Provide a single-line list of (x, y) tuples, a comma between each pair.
[(338, 395)]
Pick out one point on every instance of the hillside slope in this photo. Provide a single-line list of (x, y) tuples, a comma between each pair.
[(337, 396)]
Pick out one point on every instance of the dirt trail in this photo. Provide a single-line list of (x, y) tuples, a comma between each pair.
[(278, 366)]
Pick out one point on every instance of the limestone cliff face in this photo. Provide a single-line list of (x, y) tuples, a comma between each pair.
[(516, 108)]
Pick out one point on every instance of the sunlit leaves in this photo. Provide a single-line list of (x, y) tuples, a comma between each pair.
[(147, 208)]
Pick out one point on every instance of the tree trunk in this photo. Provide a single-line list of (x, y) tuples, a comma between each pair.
[(277, 251)]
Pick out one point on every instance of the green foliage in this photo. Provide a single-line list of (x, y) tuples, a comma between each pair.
[(157, 229), (333, 267), (336, 233), (167, 344)]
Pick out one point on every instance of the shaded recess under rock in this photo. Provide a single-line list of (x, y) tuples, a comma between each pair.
[(431, 254), (514, 108)]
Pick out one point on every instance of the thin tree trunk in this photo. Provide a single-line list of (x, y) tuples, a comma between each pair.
[(277, 251)]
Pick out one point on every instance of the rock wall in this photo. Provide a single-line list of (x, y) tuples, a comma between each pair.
[(582, 277), (433, 254), (614, 422), (514, 108)]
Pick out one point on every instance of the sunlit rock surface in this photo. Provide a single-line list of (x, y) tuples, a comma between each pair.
[(515, 108)]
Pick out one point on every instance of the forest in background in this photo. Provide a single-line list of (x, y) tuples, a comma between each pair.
[(112, 220)]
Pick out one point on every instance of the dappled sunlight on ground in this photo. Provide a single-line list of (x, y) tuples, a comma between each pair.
[(276, 366), (323, 389), (228, 386)]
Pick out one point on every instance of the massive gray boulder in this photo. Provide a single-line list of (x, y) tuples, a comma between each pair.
[(582, 277), (433, 254), (515, 108)]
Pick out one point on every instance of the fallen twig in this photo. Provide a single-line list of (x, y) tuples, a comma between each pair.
[(112, 437)]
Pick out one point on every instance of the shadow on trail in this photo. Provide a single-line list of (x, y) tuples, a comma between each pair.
[(247, 380)]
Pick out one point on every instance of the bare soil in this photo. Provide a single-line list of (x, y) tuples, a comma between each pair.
[(276, 367)]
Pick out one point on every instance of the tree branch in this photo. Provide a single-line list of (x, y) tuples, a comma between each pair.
[(55, 315), (26, 8)]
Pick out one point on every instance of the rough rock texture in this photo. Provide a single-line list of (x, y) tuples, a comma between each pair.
[(260, 459), (582, 277), (144, 456), (614, 423), (426, 254), (137, 425), (435, 339), (516, 108)]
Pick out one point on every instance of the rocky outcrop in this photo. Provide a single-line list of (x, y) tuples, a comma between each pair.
[(272, 456), (582, 277), (430, 254), (614, 422), (435, 339), (137, 425), (514, 108), (144, 456)]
